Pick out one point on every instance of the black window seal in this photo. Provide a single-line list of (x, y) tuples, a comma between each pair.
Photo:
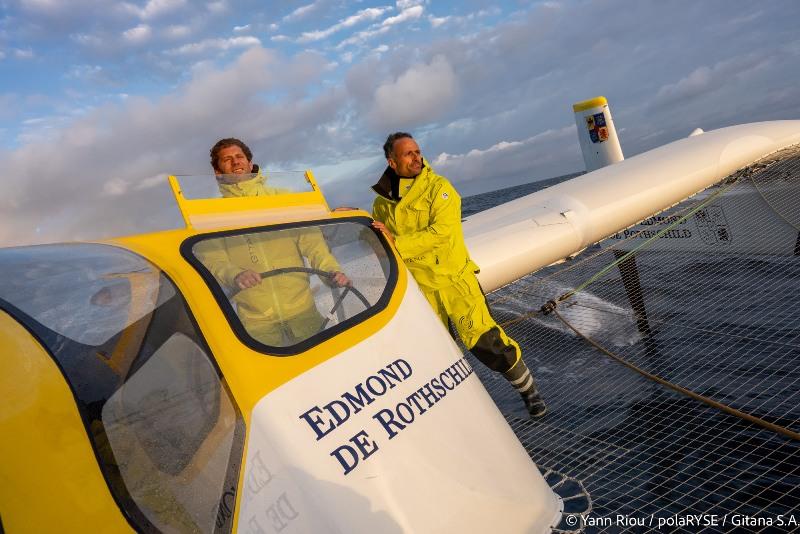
[(318, 338)]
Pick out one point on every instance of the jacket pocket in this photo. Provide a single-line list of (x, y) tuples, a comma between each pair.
[(419, 216)]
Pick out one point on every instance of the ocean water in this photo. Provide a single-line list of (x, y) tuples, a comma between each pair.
[(723, 325), (475, 203)]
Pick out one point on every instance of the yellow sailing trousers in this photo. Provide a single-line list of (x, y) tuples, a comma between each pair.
[(464, 305)]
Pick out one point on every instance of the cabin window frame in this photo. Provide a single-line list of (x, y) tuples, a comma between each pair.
[(298, 348)]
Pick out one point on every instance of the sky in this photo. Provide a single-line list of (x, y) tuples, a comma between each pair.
[(101, 99)]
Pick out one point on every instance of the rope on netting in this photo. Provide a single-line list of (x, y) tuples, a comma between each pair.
[(727, 182), (551, 304), (689, 393), (587, 257)]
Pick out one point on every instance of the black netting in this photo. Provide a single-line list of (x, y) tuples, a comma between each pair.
[(711, 305)]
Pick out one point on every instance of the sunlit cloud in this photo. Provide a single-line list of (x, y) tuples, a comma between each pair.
[(300, 12), (215, 44), (407, 14), (138, 35), (364, 15), (437, 21)]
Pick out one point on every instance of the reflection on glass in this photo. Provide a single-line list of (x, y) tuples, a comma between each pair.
[(281, 282), (171, 431), (167, 433)]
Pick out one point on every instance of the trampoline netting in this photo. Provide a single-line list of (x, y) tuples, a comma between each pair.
[(704, 296)]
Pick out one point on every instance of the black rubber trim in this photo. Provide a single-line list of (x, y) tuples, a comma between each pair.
[(316, 339)]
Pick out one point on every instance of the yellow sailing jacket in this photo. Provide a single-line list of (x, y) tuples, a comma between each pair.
[(426, 224), (276, 298)]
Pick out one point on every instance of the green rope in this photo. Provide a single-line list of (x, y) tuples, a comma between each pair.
[(636, 249)]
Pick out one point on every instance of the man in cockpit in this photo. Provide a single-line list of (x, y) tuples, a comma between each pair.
[(421, 212), (279, 310)]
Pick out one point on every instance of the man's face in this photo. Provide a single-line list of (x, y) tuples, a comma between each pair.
[(233, 161), (406, 159)]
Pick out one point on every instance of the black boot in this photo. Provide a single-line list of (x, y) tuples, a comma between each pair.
[(522, 380), (534, 404)]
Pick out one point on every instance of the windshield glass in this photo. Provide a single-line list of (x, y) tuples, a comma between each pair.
[(236, 185), (288, 288), (85, 292)]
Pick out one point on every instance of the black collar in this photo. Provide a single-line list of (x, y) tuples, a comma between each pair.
[(388, 185)]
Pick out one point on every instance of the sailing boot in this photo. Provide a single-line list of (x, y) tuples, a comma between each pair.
[(522, 380), (496, 353)]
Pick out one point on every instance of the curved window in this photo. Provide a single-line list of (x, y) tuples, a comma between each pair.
[(162, 422), (286, 288)]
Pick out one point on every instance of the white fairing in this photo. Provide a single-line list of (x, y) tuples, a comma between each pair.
[(521, 236), (452, 465)]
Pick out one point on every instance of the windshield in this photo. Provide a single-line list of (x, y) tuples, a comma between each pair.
[(289, 287), (234, 185)]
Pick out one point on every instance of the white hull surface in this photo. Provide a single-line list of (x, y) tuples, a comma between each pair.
[(526, 234), (318, 462)]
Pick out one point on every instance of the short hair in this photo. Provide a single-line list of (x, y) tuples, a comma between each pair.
[(388, 146), (225, 143)]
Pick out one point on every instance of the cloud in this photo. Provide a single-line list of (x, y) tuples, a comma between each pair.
[(177, 31), (476, 96), (47, 7), (214, 44), (138, 35), (418, 96), (87, 40), (411, 13), (93, 74), (437, 21), (239, 29), (705, 80), (364, 15), (25, 53), (132, 141), (154, 8), (362, 36), (218, 7), (545, 154), (300, 12)]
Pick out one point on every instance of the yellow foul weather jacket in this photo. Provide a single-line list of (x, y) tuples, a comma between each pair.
[(426, 224), (276, 298)]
